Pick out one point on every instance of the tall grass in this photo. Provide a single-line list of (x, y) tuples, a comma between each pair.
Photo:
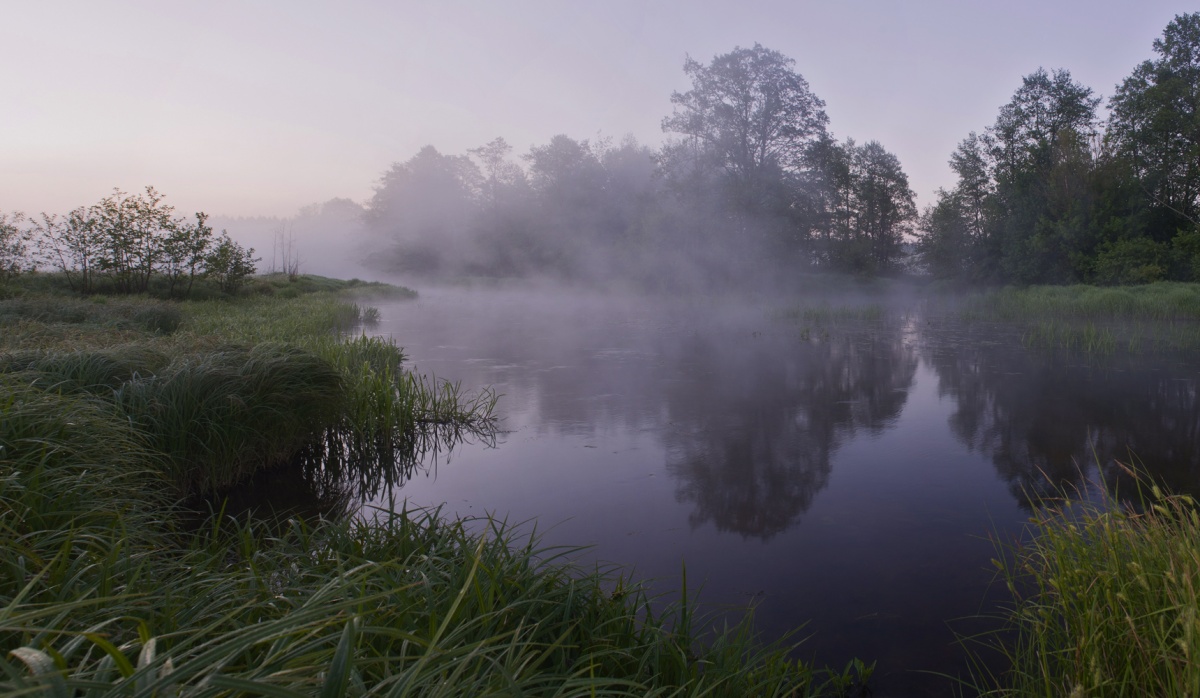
[(1107, 601), (1162, 301), (100, 596), (409, 604), (1163, 316), (219, 416), (247, 384)]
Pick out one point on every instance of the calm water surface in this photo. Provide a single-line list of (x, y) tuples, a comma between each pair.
[(845, 478)]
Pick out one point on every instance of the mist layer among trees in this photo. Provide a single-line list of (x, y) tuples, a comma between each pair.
[(751, 187), (752, 184), (750, 173)]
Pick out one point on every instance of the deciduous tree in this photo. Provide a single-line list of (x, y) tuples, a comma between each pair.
[(752, 113), (1155, 126)]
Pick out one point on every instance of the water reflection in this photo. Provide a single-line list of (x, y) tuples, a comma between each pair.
[(1047, 419), (753, 425), (359, 468), (340, 469), (843, 479)]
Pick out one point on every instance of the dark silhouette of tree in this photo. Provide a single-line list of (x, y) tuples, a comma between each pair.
[(1155, 125), (752, 113), (745, 128), (1024, 207), (864, 207)]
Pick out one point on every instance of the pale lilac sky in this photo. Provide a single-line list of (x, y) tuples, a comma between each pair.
[(261, 107)]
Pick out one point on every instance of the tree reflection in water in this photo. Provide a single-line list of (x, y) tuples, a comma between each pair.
[(751, 444), (1047, 419)]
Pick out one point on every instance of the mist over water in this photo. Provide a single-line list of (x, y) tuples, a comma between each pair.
[(846, 477)]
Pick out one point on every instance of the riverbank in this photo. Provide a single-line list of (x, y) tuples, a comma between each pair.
[(1162, 316), (117, 409)]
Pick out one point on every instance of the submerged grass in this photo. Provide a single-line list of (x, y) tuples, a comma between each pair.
[(1107, 600), (105, 591)]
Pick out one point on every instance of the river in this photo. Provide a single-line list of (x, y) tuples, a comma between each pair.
[(848, 477)]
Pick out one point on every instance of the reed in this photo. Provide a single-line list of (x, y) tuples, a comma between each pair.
[(1106, 600)]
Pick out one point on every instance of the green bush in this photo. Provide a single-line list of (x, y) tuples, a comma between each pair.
[(1132, 261)]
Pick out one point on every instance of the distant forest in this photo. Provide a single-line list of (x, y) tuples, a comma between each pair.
[(751, 186), (752, 183)]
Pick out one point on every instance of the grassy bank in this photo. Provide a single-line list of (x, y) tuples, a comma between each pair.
[(116, 410), (1083, 319), (1159, 301), (1107, 601)]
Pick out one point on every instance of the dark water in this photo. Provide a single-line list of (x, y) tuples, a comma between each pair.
[(845, 477)]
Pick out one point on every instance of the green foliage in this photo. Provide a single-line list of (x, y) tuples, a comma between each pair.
[(1154, 126), (124, 242), (14, 246), (867, 208), (1131, 261), (1042, 199), (1185, 254), (1106, 601), (229, 264)]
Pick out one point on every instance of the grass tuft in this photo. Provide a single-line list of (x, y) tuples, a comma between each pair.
[(1107, 600)]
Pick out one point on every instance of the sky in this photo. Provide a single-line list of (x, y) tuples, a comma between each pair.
[(260, 107)]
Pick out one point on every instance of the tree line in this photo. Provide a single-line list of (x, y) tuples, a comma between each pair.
[(1050, 193), (121, 244), (752, 183), (750, 173)]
